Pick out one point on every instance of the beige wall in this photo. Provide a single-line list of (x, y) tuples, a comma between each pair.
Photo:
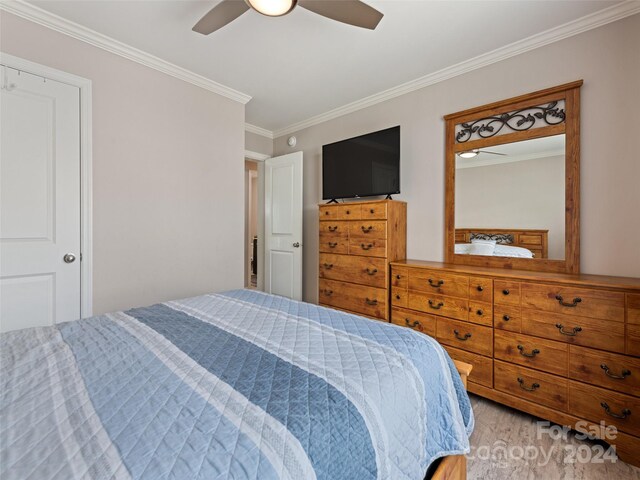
[(524, 194), (608, 61), (167, 174), (258, 143)]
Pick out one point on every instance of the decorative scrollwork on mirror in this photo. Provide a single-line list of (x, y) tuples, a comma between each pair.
[(518, 121), (497, 136)]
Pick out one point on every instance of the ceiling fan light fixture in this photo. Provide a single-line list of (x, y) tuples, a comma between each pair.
[(272, 8), (468, 154)]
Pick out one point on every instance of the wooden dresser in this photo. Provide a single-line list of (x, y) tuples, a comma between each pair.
[(357, 242), (562, 347)]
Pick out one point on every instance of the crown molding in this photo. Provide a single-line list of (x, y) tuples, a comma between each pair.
[(72, 29), (258, 130), (486, 162), (575, 27)]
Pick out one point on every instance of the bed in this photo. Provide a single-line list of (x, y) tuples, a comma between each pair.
[(509, 242), (234, 385)]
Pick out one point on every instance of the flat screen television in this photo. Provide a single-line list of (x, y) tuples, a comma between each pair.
[(363, 166)]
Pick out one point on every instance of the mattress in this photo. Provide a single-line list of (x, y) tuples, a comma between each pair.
[(238, 385)]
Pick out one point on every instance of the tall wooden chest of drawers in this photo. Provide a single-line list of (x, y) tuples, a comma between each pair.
[(357, 242), (562, 347)]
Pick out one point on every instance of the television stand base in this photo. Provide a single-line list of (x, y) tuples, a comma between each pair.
[(333, 200), (388, 197)]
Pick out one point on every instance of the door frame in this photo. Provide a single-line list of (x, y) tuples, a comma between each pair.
[(259, 158), (86, 163)]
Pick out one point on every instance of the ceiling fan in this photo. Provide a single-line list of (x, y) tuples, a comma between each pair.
[(475, 152), (352, 12)]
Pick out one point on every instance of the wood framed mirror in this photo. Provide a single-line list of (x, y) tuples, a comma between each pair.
[(513, 183)]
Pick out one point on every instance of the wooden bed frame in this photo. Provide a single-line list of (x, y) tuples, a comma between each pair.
[(454, 467), (535, 240)]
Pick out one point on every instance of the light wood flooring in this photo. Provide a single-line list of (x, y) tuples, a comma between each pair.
[(499, 427)]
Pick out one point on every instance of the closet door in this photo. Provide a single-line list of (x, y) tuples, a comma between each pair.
[(39, 201)]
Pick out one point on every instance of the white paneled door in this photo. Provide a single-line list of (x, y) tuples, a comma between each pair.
[(39, 201), (283, 225)]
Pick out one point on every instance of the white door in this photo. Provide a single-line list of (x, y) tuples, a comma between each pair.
[(283, 225), (39, 201)]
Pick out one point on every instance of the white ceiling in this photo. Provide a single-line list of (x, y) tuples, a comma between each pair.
[(302, 64)]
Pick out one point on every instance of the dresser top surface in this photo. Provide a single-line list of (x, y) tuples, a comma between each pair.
[(604, 281), (358, 202)]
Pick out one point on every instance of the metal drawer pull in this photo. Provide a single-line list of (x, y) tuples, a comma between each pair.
[(366, 247), (624, 374), (575, 302), (333, 244), (398, 277), (506, 318), (333, 229), (371, 302), (435, 307), (348, 212), (328, 266), (397, 297), (437, 284), (371, 272), (367, 229), (372, 211), (464, 338), (413, 324), (505, 292), (532, 388), (479, 312), (572, 333), (328, 293), (622, 415), (533, 353), (480, 288)]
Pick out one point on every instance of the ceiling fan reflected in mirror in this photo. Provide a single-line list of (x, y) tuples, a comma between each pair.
[(475, 152), (351, 12)]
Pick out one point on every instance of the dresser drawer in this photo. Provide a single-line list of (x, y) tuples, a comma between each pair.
[(334, 229), (370, 247), (482, 372), (588, 332), (439, 305), (480, 312), (355, 298), (481, 289), (340, 212), (633, 339), (633, 309), (399, 297), (433, 281), (374, 211), (365, 230), (608, 370), (506, 292), (465, 335), (597, 404), (531, 352), (399, 277), (417, 321), (633, 324), (574, 301), (531, 385), (332, 243), (362, 270), (506, 317)]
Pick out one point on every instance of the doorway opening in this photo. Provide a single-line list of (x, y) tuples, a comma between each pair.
[(251, 249)]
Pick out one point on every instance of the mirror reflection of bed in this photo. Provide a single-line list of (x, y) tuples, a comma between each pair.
[(510, 200)]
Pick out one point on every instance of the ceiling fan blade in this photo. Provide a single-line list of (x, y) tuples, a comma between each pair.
[(352, 12), (225, 12), (492, 153)]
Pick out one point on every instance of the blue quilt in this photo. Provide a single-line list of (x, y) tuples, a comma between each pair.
[(239, 385)]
